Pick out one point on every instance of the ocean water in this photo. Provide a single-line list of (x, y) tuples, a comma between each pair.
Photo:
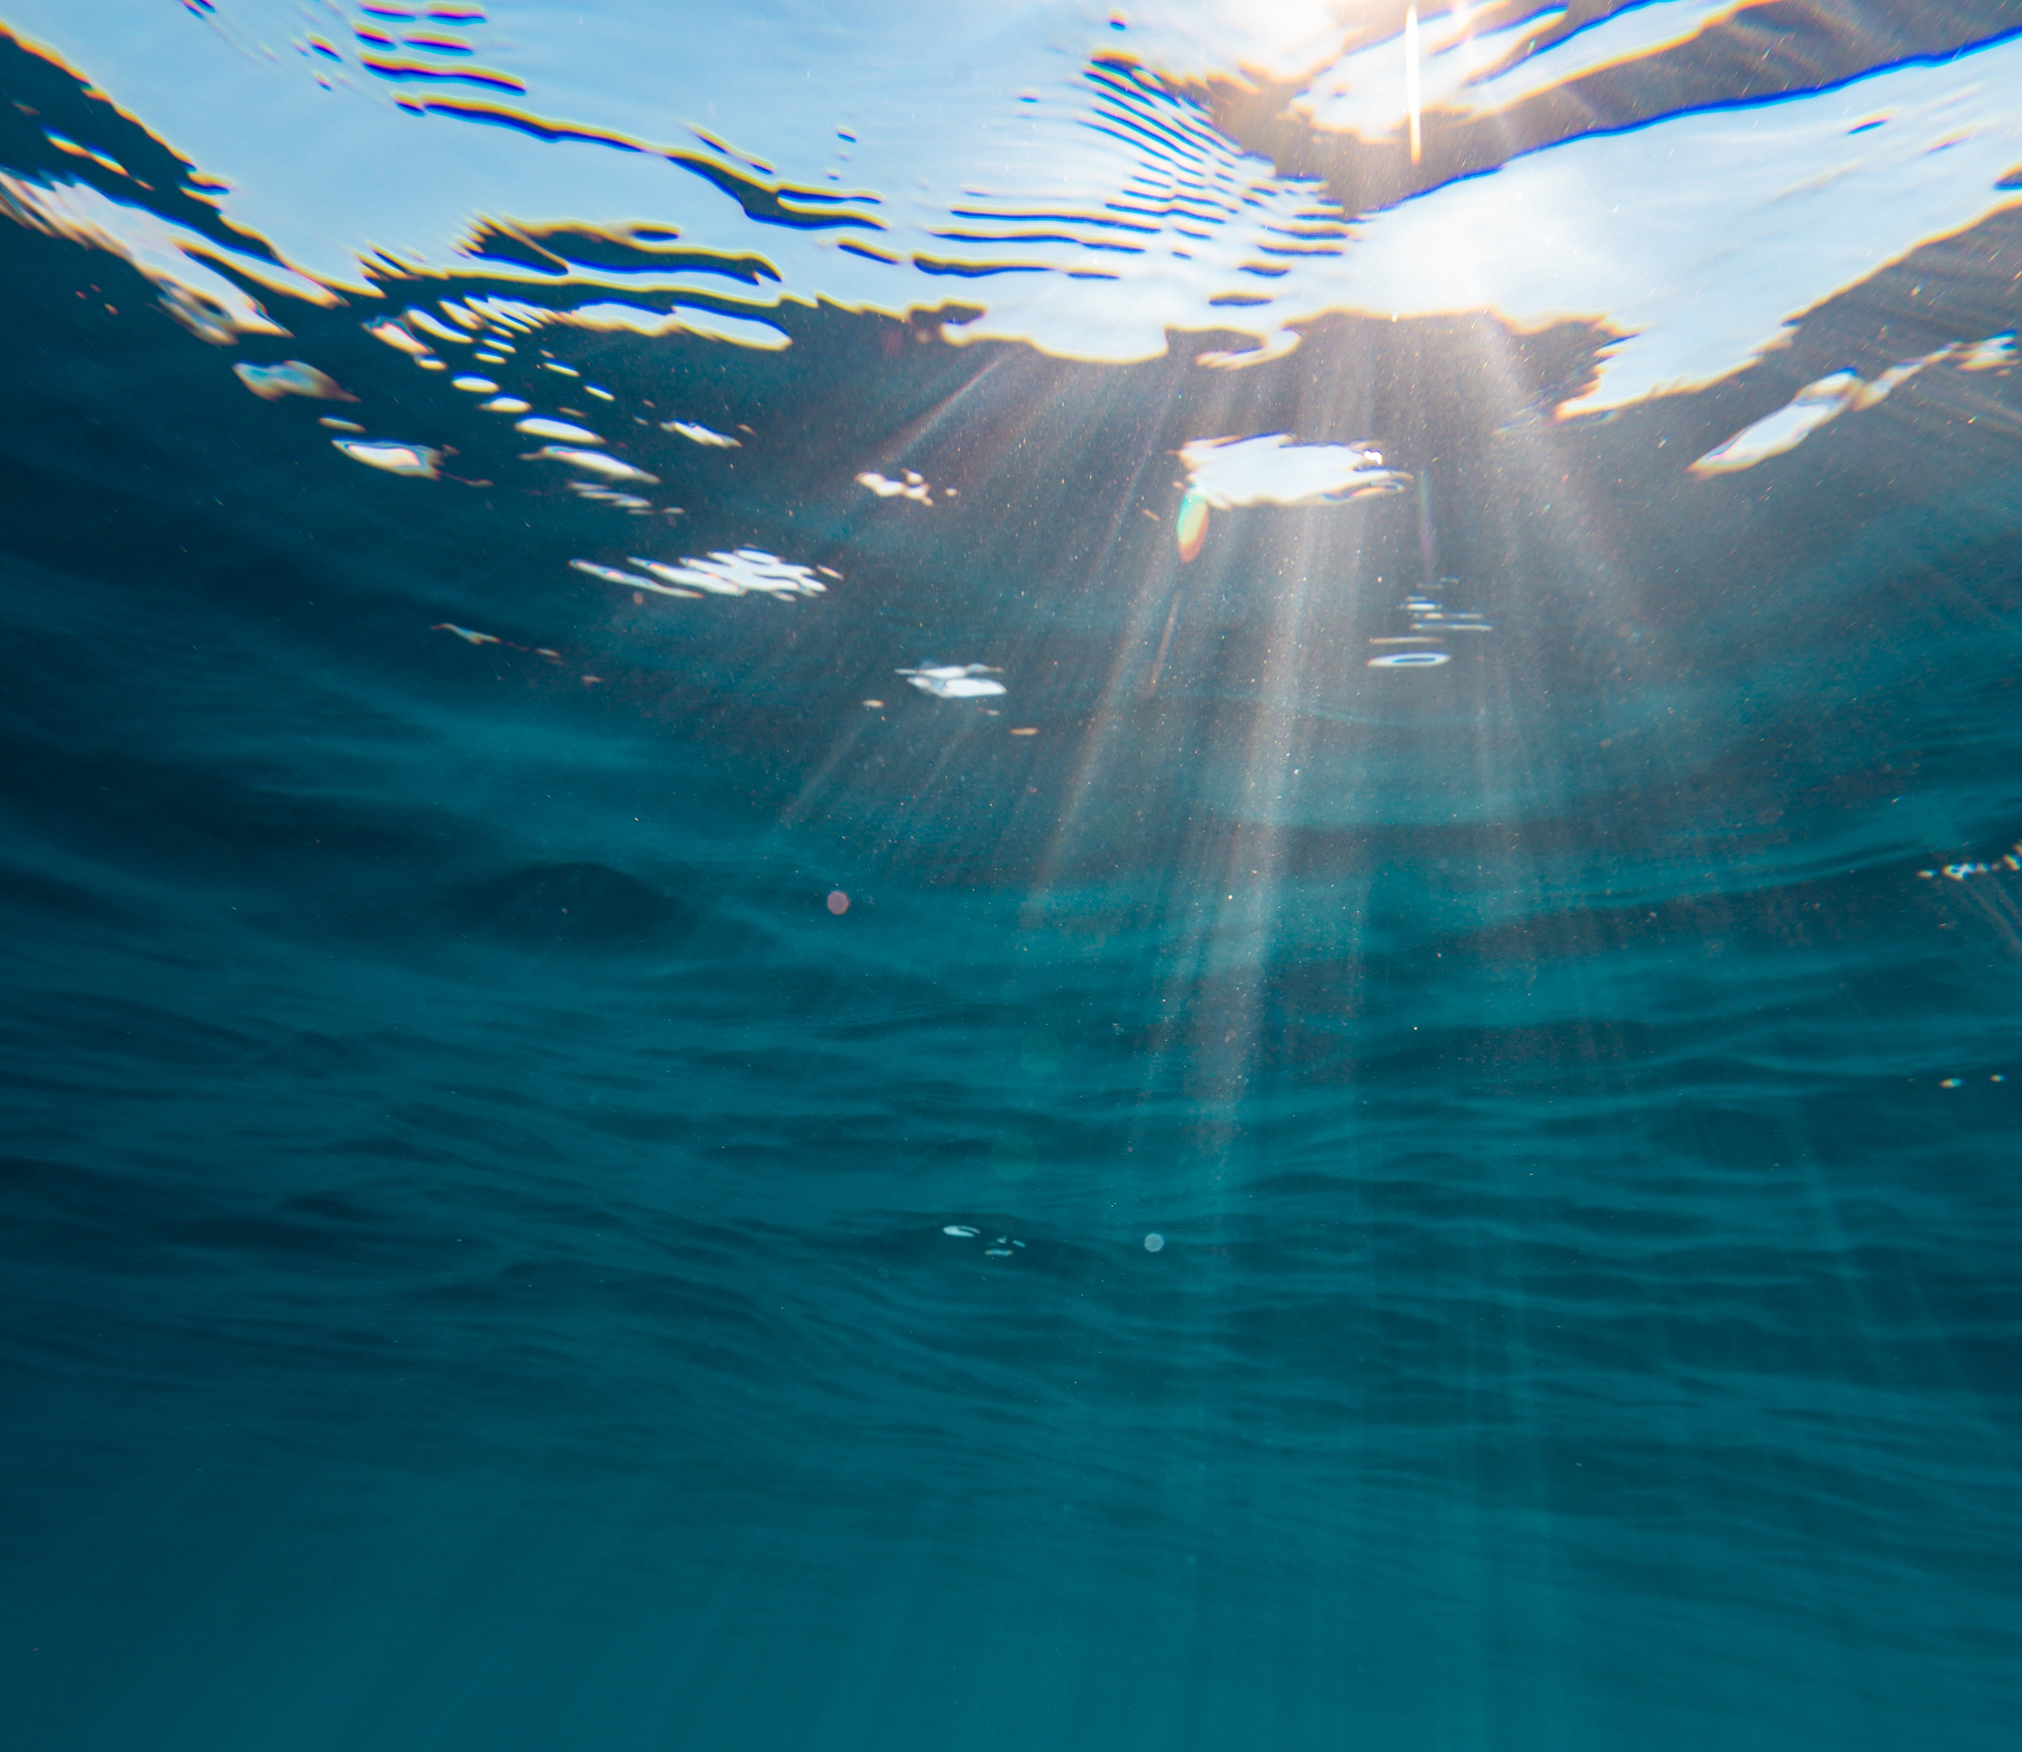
[(1014, 877)]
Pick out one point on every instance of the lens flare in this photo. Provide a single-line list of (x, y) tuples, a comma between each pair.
[(1411, 102), (1192, 526)]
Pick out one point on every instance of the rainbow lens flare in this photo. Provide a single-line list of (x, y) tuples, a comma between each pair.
[(1192, 525)]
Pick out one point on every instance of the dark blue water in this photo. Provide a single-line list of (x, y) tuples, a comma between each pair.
[(494, 1260)]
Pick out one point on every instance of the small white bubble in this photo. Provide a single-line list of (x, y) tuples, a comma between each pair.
[(1153, 1242)]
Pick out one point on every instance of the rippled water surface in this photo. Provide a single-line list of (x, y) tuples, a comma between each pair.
[(913, 878)]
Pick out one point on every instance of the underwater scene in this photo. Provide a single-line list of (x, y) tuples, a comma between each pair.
[(950, 878)]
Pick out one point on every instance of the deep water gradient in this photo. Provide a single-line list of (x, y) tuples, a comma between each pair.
[(484, 1239)]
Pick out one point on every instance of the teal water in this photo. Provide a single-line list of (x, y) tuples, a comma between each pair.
[(598, 1188)]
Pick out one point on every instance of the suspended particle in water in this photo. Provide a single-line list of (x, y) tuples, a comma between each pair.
[(1950, 1083), (964, 1230), (838, 902), (1154, 1242), (1191, 529)]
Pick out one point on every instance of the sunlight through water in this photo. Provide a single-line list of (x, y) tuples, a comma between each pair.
[(1040, 875)]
